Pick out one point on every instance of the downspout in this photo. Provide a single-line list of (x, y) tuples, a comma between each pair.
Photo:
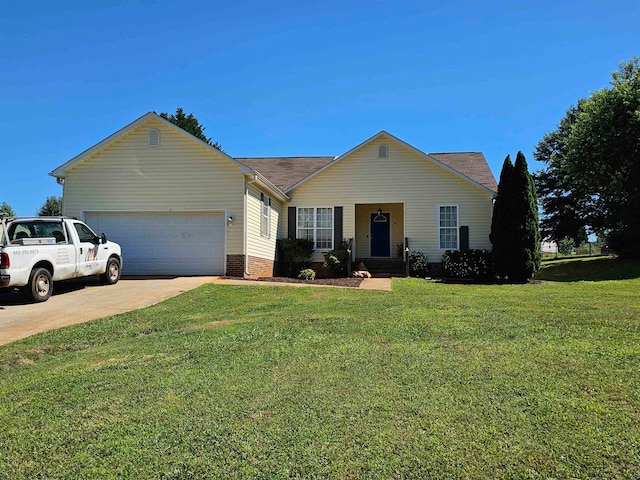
[(62, 181), (245, 224)]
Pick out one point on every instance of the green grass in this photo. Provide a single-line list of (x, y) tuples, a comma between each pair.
[(428, 381)]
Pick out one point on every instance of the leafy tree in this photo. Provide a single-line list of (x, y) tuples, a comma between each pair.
[(592, 172), (566, 246), (561, 211), (52, 207), (190, 124), (502, 221), (5, 209), (526, 233)]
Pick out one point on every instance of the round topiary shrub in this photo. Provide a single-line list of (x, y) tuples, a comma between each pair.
[(418, 266)]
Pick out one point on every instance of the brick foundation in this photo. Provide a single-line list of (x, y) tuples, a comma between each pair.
[(260, 267), (257, 267), (235, 265)]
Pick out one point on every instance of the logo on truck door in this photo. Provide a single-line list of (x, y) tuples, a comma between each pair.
[(92, 254)]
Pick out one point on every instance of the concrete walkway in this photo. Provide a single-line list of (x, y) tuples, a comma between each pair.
[(367, 283), (376, 284)]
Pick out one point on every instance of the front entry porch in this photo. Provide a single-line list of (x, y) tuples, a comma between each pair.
[(379, 238)]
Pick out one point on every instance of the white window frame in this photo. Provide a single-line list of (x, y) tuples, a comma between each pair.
[(456, 228), (315, 226), (265, 215)]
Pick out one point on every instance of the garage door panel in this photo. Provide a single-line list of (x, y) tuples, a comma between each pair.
[(166, 244)]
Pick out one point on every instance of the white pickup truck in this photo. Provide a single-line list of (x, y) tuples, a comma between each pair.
[(35, 252)]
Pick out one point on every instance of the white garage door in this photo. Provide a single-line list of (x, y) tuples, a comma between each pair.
[(165, 244)]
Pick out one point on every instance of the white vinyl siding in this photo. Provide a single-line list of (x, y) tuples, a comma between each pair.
[(178, 176), (408, 179), (448, 227), (316, 224), (259, 245)]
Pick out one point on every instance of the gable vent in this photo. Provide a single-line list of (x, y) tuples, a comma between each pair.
[(154, 137), (383, 151)]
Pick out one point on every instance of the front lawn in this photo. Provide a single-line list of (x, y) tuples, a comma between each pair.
[(428, 381)]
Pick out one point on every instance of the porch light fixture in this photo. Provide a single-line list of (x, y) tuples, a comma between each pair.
[(229, 220), (380, 218)]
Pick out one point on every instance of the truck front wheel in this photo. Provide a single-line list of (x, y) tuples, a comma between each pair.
[(40, 285), (112, 273)]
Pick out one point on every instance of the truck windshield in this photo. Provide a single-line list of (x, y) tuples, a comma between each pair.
[(34, 229)]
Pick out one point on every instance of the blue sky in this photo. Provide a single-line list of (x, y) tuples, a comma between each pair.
[(298, 78)]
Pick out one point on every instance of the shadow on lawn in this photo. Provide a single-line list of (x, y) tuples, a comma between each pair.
[(590, 270)]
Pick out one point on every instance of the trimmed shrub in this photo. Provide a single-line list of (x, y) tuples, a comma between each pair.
[(293, 252), (418, 264), (307, 274), (335, 261), (469, 264)]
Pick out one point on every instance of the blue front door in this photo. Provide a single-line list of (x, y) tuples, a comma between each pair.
[(380, 235)]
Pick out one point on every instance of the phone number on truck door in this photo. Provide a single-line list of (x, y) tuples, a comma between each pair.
[(34, 251)]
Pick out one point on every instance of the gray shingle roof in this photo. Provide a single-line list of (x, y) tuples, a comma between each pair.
[(284, 172), (470, 164)]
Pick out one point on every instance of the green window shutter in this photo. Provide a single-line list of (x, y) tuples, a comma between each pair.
[(464, 238), (293, 219), (337, 226)]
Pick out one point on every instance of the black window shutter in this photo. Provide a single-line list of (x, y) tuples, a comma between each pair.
[(337, 227), (292, 222), (464, 238)]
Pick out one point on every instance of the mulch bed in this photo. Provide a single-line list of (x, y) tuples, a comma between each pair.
[(336, 282)]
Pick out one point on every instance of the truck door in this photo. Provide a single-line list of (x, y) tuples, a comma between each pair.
[(87, 252), (65, 255)]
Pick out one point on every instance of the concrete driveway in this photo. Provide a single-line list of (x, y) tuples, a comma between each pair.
[(81, 300)]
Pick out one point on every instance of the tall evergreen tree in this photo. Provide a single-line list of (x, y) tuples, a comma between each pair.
[(526, 227), (190, 123), (502, 221), (5, 209), (52, 207)]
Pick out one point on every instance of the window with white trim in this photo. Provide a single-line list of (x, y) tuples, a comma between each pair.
[(154, 137), (316, 224), (265, 215), (448, 227)]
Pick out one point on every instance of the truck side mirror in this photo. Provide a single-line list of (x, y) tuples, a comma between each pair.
[(103, 238)]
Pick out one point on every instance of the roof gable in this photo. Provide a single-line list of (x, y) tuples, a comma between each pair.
[(60, 172), (470, 166)]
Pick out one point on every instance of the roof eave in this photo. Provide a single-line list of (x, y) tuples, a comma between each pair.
[(265, 183)]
